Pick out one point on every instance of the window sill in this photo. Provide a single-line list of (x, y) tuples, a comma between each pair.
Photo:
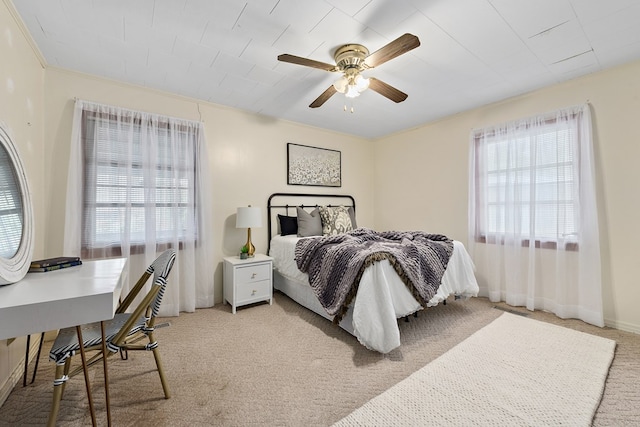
[(134, 249), (538, 244)]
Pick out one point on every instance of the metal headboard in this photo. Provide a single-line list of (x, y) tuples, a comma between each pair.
[(271, 207)]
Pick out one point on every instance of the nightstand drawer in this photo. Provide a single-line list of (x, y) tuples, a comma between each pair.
[(254, 290), (253, 273)]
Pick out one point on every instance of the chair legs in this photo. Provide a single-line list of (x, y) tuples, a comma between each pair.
[(62, 371), (61, 376), (163, 380), (60, 381), (165, 386)]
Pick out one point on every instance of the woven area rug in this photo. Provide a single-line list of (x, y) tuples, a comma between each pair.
[(514, 371)]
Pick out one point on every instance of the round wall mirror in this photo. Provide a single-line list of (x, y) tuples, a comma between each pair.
[(16, 216)]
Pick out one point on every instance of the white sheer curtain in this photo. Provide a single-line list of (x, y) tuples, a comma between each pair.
[(533, 216), (137, 185)]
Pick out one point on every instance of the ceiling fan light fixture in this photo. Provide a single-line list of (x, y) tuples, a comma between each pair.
[(341, 84), (362, 83), (352, 91), (351, 85)]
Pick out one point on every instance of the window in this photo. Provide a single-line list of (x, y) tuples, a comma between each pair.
[(11, 211), (137, 183), (533, 185), (526, 182)]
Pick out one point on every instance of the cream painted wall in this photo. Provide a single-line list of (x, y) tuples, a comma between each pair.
[(21, 92), (247, 152), (422, 175)]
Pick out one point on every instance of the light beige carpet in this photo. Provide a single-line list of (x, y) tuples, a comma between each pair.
[(514, 371), (282, 365)]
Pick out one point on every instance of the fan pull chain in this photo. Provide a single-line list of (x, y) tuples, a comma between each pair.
[(351, 110)]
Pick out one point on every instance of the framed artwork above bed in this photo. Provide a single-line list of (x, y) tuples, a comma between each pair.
[(313, 166)]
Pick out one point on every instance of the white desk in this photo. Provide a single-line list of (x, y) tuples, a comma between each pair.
[(63, 298)]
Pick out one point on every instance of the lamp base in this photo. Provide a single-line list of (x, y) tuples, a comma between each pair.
[(251, 249)]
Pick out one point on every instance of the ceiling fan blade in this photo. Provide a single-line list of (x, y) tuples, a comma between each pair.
[(386, 90), (402, 44), (306, 62), (324, 97)]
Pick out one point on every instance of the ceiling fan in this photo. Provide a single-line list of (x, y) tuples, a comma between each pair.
[(351, 60)]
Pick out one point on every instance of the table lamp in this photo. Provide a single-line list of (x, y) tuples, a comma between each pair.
[(246, 218)]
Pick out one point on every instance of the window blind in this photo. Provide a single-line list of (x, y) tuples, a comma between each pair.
[(128, 177), (10, 208)]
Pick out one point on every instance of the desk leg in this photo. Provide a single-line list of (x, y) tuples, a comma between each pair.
[(26, 362), (35, 368), (86, 375), (106, 375)]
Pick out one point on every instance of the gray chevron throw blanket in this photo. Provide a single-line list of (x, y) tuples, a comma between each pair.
[(336, 263)]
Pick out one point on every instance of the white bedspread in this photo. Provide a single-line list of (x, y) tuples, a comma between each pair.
[(382, 296)]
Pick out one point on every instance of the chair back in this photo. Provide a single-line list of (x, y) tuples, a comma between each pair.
[(150, 304), (161, 268)]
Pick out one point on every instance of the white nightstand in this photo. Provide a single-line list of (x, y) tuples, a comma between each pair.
[(247, 280)]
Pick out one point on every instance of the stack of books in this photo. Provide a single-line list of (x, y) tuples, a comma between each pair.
[(51, 264)]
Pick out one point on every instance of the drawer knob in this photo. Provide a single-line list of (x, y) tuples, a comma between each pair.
[(253, 292), (253, 276)]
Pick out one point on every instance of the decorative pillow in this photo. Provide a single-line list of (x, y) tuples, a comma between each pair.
[(352, 215), (288, 225), (309, 224), (335, 220)]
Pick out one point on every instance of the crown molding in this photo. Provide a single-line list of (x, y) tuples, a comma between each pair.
[(23, 29)]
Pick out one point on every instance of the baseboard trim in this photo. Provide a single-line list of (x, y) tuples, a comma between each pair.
[(623, 326)]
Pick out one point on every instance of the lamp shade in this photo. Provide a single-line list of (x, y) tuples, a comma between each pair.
[(248, 217)]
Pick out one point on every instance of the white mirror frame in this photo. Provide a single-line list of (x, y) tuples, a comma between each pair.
[(15, 268)]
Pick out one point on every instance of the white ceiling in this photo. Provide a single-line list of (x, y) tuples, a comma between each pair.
[(472, 52)]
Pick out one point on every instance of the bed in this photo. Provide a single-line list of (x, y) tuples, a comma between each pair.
[(382, 297)]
